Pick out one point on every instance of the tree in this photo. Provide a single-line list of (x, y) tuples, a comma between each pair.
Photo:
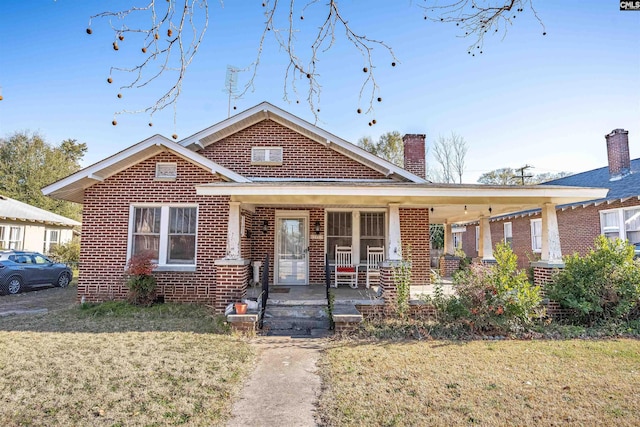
[(450, 154), (508, 176), (169, 35), (28, 163), (389, 147)]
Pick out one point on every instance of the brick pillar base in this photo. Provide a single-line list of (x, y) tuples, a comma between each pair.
[(389, 290), (232, 279), (543, 273), (448, 265)]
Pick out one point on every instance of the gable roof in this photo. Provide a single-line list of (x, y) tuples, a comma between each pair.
[(11, 209), (267, 111), (72, 187)]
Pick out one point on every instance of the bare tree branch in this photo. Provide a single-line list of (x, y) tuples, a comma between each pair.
[(176, 29)]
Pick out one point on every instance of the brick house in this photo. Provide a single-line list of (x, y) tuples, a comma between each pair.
[(265, 182), (615, 215)]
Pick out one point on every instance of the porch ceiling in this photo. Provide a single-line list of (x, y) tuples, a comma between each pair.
[(447, 200)]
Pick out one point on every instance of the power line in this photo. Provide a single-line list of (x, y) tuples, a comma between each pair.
[(522, 176)]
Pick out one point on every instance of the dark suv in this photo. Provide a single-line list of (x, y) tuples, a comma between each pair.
[(20, 269)]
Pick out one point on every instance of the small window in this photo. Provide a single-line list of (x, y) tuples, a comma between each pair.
[(477, 238), (610, 224), (536, 235), (266, 156), (166, 170), (508, 233)]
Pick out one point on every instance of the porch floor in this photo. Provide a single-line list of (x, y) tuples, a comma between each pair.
[(312, 294)]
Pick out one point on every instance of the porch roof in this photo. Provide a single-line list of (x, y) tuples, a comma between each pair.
[(450, 202)]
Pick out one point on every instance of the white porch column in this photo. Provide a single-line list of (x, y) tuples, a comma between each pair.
[(485, 248), (394, 249), (233, 231), (448, 239), (551, 252)]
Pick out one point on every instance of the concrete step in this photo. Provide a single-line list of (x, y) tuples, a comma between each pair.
[(293, 324), (299, 311)]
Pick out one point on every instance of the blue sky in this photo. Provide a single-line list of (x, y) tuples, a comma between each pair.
[(545, 101)]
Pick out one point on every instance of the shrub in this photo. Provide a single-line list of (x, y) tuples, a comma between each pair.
[(601, 286), (67, 252), (140, 280), (494, 298)]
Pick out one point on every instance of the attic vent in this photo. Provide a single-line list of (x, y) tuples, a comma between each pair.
[(266, 155), (166, 170)]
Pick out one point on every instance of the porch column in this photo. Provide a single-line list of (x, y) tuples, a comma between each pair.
[(448, 239), (394, 249), (551, 252), (233, 231), (485, 248)]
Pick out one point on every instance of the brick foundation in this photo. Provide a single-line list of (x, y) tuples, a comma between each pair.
[(542, 274)]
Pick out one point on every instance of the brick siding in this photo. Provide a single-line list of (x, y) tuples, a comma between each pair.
[(414, 233)]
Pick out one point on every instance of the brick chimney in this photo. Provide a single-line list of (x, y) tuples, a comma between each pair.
[(618, 154), (414, 154)]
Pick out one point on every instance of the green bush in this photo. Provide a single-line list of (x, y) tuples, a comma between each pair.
[(601, 286), (67, 252), (494, 297)]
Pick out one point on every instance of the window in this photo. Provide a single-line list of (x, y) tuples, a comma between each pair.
[(39, 259), (266, 155), (51, 240), (630, 218), (371, 232), (477, 238), (536, 235), (15, 238), (457, 240), (357, 229), (168, 232), (166, 171), (339, 231), (508, 233)]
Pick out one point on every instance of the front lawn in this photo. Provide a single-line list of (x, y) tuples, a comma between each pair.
[(573, 382), (115, 366)]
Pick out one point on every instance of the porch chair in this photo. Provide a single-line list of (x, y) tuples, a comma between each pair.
[(375, 255), (345, 271)]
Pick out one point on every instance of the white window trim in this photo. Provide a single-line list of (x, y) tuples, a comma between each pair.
[(7, 233), (477, 238), (355, 228), (164, 235), (504, 229), (47, 239), (533, 248), (622, 229)]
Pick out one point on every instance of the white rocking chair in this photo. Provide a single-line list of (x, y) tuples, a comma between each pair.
[(345, 271), (375, 255)]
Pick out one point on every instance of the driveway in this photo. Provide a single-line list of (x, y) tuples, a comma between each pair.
[(40, 301)]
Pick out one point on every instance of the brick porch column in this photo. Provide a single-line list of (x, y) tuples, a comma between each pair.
[(389, 290), (232, 279)]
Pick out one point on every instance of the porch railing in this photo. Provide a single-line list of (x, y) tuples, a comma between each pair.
[(265, 290)]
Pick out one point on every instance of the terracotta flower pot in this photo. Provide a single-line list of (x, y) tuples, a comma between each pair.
[(241, 307)]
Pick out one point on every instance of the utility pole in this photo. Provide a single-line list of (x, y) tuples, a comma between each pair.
[(521, 174)]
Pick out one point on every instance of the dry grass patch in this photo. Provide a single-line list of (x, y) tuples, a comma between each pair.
[(133, 368), (488, 383)]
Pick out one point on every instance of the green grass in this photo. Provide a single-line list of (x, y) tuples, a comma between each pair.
[(451, 383), (113, 364)]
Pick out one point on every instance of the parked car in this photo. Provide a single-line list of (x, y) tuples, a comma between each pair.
[(636, 248), (20, 270)]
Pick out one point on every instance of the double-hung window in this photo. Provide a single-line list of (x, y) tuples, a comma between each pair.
[(508, 233), (536, 235), (167, 232), (11, 237), (357, 229), (51, 240), (621, 223)]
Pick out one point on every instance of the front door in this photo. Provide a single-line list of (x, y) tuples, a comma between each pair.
[(292, 250)]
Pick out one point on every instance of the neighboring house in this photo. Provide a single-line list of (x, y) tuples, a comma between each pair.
[(615, 215), (265, 182), (25, 227)]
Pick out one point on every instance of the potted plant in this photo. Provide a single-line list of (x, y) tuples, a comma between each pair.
[(241, 307)]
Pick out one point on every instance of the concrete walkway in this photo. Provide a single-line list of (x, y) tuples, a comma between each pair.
[(284, 387)]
